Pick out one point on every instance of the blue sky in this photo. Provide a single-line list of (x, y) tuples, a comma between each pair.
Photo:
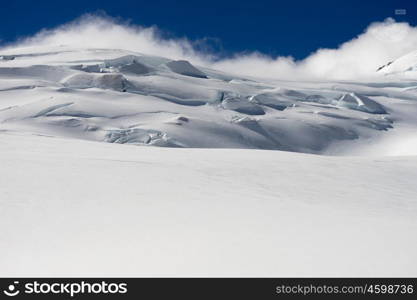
[(272, 27)]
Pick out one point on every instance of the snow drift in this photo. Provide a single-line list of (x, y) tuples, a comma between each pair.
[(68, 188)]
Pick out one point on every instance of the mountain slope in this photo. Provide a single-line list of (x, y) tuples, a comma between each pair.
[(96, 209), (405, 65), (82, 194), (125, 97)]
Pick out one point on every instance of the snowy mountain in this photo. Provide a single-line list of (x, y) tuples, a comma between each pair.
[(75, 202), (405, 65), (124, 97)]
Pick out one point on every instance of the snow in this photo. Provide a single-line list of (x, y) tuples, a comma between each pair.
[(112, 95), (405, 65), (116, 163), (185, 68), (115, 82), (75, 208), (362, 103)]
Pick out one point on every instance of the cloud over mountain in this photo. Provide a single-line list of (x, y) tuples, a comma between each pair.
[(357, 58)]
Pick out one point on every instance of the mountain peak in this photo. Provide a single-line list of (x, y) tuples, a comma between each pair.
[(405, 65)]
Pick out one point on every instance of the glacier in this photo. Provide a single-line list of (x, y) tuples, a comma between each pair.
[(97, 94), (119, 163)]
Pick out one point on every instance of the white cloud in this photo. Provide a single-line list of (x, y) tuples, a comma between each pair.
[(92, 31), (357, 58)]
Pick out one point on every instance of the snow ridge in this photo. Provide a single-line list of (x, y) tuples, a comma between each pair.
[(120, 96)]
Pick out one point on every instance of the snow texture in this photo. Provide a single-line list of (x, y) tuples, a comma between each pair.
[(120, 96), (75, 202)]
